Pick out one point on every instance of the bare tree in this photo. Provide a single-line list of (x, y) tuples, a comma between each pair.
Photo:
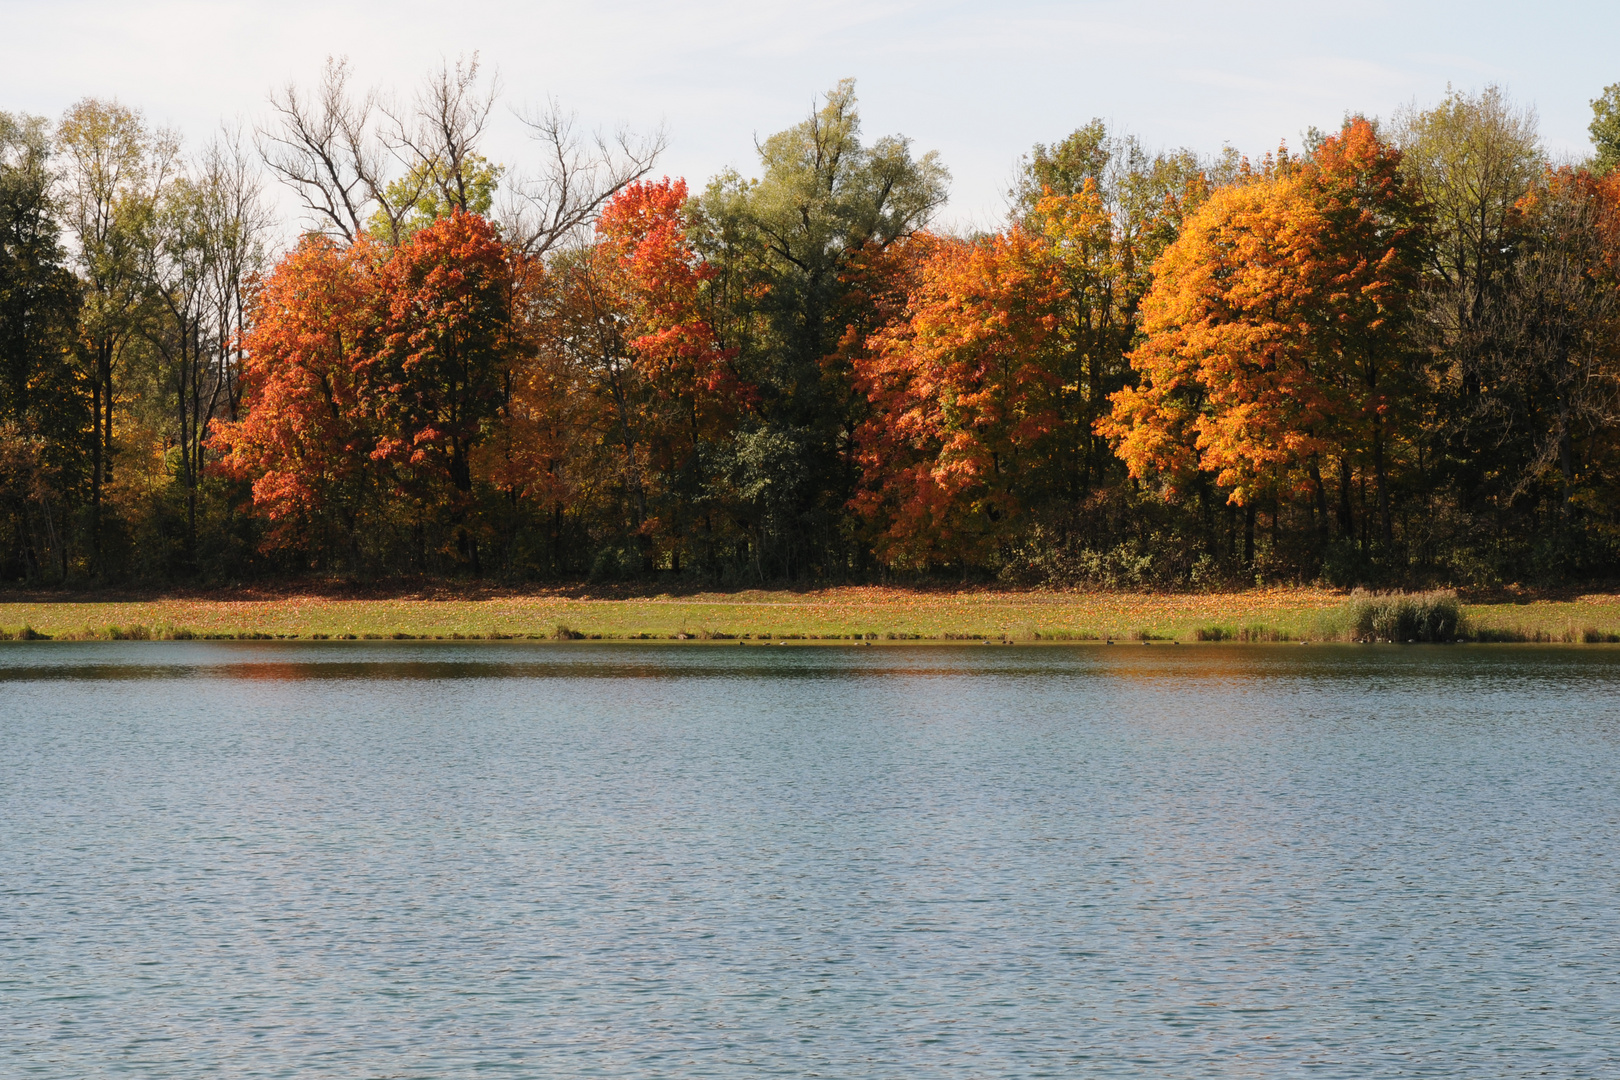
[(210, 244), (176, 329), (437, 138), (579, 173), (335, 149), (324, 145), (238, 223)]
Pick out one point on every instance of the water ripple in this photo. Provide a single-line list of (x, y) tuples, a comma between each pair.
[(407, 860)]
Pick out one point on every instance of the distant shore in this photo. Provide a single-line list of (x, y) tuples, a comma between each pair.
[(846, 614)]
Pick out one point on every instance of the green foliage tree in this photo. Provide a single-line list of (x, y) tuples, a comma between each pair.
[(1107, 209), (426, 194), (44, 411), (1552, 365), (1605, 130), (116, 172), (784, 246), (1472, 159)]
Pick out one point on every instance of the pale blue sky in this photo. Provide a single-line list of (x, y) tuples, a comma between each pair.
[(978, 82)]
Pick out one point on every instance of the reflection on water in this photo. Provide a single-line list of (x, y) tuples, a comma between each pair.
[(398, 859)]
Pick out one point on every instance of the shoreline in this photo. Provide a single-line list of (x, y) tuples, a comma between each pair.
[(879, 615)]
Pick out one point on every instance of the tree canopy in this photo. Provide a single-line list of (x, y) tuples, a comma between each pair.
[(1385, 355)]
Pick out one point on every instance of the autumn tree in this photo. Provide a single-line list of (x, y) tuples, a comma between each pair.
[(306, 436), (531, 455), (1400, 365), (965, 401), (116, 171), (1273, 332), (1103, 229), (695, 399), (627, 353), (436, 378), (1104, 209), (986, 385)]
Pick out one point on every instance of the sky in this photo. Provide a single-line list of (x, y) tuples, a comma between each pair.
[(978, 82)]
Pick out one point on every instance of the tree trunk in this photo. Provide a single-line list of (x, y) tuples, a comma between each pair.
[(102, 433), (1347, 516), (1320, 492), (95, 476), (189, 362), (1383, 485), (1565, 456)]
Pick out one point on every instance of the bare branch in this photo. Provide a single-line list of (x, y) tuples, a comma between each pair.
[(325, 150), (439, 135), (579, 175)]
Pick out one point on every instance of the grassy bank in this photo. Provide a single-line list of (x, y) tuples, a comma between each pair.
[(844, 614)]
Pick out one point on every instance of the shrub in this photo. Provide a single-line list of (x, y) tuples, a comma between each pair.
[(1398, 616), (1256, 632)]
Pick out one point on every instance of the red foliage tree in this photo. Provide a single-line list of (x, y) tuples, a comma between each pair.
[(371, 374), (628, 393), (436, 378), (964, 399), (658, 280), (304, 439)]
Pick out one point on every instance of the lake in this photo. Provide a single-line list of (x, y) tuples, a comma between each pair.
[(445, 860)]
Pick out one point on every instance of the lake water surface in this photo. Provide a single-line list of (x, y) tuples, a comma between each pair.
[(437, 860)]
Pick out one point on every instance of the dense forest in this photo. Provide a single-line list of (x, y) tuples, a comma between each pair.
[(1390, 354)]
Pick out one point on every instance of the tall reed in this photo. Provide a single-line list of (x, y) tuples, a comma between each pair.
[(1399, 616)]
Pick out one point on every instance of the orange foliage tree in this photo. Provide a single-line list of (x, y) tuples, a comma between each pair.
[(629, 389), (1273, 331), (370, 376), (304, 440), (991, 370), (964, 400)]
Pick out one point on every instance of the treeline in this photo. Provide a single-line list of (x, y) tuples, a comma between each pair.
[(1391, 354)]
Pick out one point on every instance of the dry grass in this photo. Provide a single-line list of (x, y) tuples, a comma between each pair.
[(843, 614)]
